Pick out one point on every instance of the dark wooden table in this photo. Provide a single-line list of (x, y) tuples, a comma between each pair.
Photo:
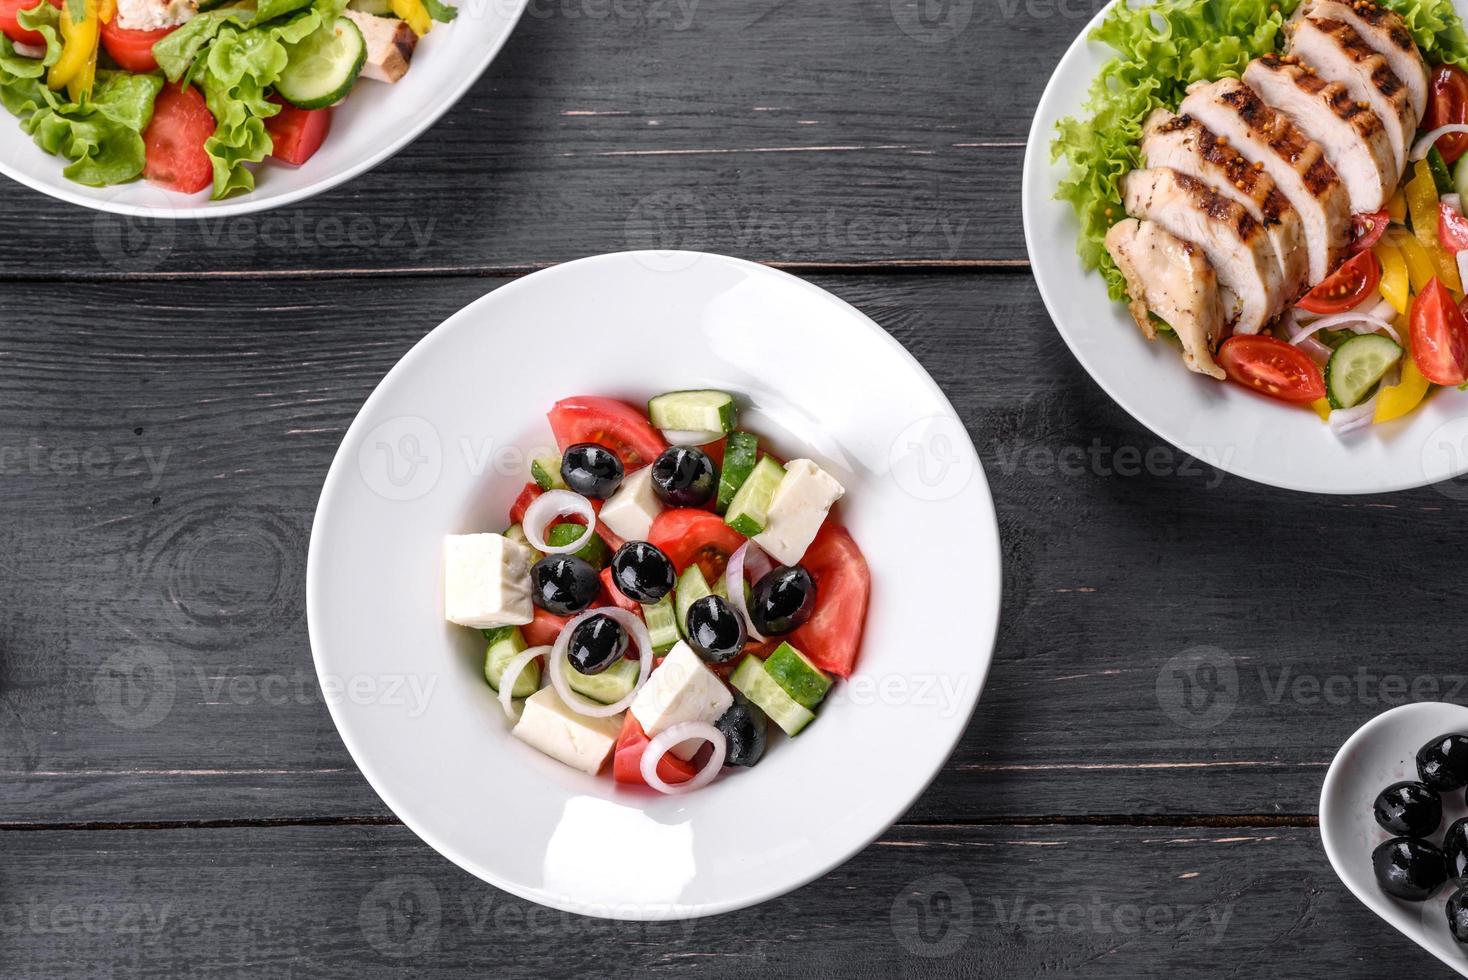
[(1181, 651)]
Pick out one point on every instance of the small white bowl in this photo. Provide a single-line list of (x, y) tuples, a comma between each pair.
[(374, 122), (1383, 751)]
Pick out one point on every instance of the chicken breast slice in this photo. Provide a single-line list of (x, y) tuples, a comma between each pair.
[(1171, 278), (1339, 54), (1351, 135), (1235, 244), (1388, 36), (1297, 165), (1189, 147)]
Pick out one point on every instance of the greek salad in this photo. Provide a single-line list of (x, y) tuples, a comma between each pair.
[(192, 94), (665, 590), (1277, 186)]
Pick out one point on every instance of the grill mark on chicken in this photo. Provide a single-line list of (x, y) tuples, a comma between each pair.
[(1218, 207), (1393, 26), (1333, 94)]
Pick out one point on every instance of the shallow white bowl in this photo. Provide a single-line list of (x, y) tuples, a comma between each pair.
[(442, 447), (376, 121), (1383, 751), (1222, 424)]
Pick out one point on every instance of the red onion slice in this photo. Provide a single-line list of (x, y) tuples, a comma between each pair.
[(512, 674), (558, 664), (691, 437), (1420, 148), (664, 740), (1346, 420), (754, 556), (546, 508)]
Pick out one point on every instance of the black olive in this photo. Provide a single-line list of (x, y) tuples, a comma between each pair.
[(1455, 850), (1409, 868), (715, 631), (642, 572), (684, 476), (1458, 915), (563, 584), (782, 600), (744, 727), (1443, 762), (592, 470), (1409, 809), (596, 644)]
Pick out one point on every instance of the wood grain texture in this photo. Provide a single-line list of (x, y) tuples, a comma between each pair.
[(163, 449)]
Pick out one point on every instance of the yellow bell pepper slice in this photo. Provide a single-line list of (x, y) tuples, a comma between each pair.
[(1422, 203), (78, 47), (1399, 399), (1420, 269), (1395, 283), (1397, 207), (106, 10), (1322, 408), (416, 16), (81, 84)]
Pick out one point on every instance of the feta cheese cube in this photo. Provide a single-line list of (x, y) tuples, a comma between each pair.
[(550, 725), (630, 511), (486, 581), (681, 688), (152, 15), (799, 507)]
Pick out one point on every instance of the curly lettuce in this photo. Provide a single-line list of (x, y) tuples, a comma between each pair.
[(1161, 49)]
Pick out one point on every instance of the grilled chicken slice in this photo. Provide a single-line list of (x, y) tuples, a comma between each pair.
[(1387, 35), (1243, 259), (1339, 54), (1171, 278), (1189, 147), (1297, 165), (1352, 136)]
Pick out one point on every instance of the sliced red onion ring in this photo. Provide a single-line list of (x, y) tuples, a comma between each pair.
[(546, 508), (664, 740), (558, 665), (691, 437), (512, 674), (1420, 148), (754, 556)]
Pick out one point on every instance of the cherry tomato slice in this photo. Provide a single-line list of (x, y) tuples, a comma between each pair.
[(1452, 228), (1369, 229), (1439, 336), (10, 22), (690, 534), (1345, 287), (1272, 367), (1447, 103), (607, 422), (174, 141), (131, 49)]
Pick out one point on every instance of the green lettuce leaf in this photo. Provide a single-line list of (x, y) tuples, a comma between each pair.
[(45, 20), (102, 137), (441, 12)]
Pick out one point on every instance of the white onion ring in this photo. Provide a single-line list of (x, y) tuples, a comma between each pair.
[(1420, 148), (1346, 420), (1369, 321), (34, 51), (557, 662), (734, 581), (546, 508), (511, 674), (1454, 201), (1462, 259), (691, 437), (653, 752)]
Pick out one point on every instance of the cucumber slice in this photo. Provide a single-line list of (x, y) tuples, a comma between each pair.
[(595, 551), (1438, 167), (608, 687), (546, 472), (323, 67), (662, 624), (504, 644), (1356, 366), (751, 680), (740, 453), (705, 411), (797, 676), (1460, 178), (516, 533), (691, 587), (749, 509)]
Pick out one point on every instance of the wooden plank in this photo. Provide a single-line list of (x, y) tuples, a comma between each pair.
[(928, 901), (813, 130), (163, 447)]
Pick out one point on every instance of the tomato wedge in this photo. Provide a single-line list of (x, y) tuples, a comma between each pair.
[(1448, 104), (131, 49), (1347, 286), (522, 503), (1272, 367), (1369, 229), (296, 134), (544, 628), (607, 422), (688, 535), (627, 760), (614, 595), (174, 141), (831, 638), (10, 23), (1452, 228), (1439, 336)]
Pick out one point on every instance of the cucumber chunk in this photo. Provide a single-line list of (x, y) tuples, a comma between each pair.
[(1460, 179), (751, 680), (1356, 366), (691, 587), (662, 624), (707, 411), (516, 533), (504, 643), (595, 552), (608, 687), (749, 509), (740, 453), (546, 472), (323, 66), (798, 677)]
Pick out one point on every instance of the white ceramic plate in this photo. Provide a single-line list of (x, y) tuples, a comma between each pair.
[(442, 447), (376, 121), (1220, 424), (1382, 752)]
